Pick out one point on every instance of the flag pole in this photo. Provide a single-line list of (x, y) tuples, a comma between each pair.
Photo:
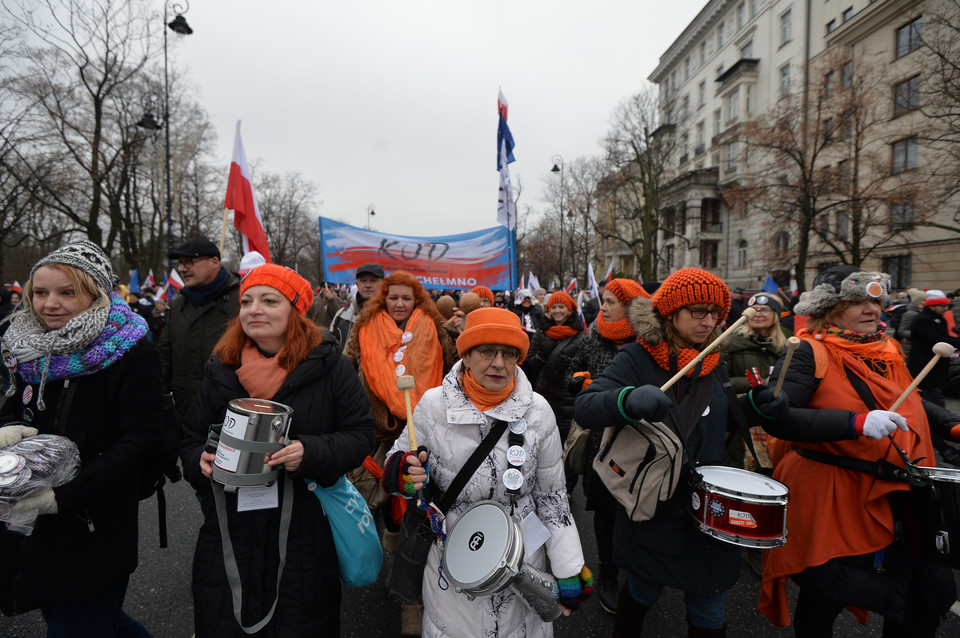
[(223, 228)]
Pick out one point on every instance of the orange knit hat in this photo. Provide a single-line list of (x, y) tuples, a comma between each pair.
[(626, 290), (289, 283), (691, 286), (493, 326), (483, 291), (564, 298)]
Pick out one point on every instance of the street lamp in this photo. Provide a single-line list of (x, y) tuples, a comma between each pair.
[(558, 168), (178, 25), (370, 213)]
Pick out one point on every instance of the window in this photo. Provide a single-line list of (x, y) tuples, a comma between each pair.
[(710, 216), (709, 253), (843, 223), (902, 216), (908, 37), (720, 36), (830, 83), (701, 94), (847, 14), (742, 254), (831, 26), (673, 79), (685, 109), (843, 170), (741, 11), (703, 52), (786, 27), (904, 155), (717, 119), (906, 96), (748, 104), (684, 144), (746, 51), (701, 137), (846, 75), (753, 8), (732, 153), (668, 258), (686, 69), (781, 243), (785, 80), (898, 267), (733, 105)]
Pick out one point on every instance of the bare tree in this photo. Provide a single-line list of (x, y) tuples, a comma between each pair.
[(289, 208)]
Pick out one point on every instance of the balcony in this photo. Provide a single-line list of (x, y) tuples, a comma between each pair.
[(711, 227)]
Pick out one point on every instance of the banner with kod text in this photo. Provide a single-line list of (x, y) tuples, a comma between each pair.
[(479, 258)]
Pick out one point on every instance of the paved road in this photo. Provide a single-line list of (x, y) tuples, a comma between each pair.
[(159, 593)]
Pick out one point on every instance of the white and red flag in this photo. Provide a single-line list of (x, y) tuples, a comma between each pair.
[(149, 281), (609, 274), (572, 286), (240, 199), (175, 281)]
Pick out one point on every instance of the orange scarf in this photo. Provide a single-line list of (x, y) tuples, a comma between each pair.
[(661, 354), (560, 332), (618, 332), (261, 376), (380, 338), (481, 397)]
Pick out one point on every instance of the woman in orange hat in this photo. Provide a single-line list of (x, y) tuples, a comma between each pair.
[(272, 351), (484, 387)]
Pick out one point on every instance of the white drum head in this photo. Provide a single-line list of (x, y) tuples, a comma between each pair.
[(742, 482), (477, 544), (946, 474)]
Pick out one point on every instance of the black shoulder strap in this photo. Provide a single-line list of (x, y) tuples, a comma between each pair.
[(557, 349), (499, 427), (881, 468), (861, 387)]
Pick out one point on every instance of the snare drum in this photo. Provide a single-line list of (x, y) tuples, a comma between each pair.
[(484, 550), (936, 515), (740, 507)]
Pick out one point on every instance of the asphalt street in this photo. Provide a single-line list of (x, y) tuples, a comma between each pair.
[(159, 594)]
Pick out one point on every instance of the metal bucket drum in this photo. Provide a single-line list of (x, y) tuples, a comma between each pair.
[(252, 428), (740, 507), (936, 515), (483, 554)]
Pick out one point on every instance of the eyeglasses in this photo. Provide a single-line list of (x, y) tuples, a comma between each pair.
[(763, 310), (187, 262), (510, 355), (700, 313)]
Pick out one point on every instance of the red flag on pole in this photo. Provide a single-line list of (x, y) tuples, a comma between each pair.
[(240, 199)]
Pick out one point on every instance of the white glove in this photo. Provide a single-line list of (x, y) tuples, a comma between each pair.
[(877, 424), (44, 501), (11, 434)]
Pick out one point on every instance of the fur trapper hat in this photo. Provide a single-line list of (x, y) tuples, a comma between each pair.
[(842, 283)]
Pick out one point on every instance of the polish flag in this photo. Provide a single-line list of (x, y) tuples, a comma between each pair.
[(149, 282), (15, 287), (175, 281), (571, 286), (240, 199), (609, 274)]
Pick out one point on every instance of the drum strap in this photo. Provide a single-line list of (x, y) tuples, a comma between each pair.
[(468, 469), (230, 560), (736, 412)]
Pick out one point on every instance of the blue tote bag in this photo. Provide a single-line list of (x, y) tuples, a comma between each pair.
[(354, 532)]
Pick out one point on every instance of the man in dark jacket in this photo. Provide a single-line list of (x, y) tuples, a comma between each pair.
[(196, 318), (927, 329), (369, 277)]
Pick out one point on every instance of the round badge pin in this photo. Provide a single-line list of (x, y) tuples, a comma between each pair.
[(407, 337), (401, 370), (27, 395), (516, 455), (401, 348), (513, 479), (397, 357), (519, 426), (10, 463)]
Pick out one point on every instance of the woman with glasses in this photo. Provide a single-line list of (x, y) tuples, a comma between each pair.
[(684, 316), (484, 387)]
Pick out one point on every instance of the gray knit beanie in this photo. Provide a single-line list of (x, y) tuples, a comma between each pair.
[(842, 283), (86, 256)]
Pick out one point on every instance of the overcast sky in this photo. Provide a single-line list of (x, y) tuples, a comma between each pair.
[(393, 103)]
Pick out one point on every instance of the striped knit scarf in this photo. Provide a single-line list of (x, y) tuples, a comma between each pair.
[(90, 342)]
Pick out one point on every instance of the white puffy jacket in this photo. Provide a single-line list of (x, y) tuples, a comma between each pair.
[(451, 427)]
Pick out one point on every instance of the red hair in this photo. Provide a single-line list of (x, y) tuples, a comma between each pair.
[(302, 336)]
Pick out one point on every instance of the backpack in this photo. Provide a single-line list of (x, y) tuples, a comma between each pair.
[(164, 465)]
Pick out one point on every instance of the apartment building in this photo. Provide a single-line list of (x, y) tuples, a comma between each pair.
[(740, 59)]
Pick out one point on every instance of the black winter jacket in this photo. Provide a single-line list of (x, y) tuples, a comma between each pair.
[(91, 543), (332, 418), (927, 329), (547, 369)]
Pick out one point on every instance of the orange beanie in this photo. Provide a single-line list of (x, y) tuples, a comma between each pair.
[(691, 286), (562, 297), (488, 326), (291, 285), (626, 290), (483, 291)]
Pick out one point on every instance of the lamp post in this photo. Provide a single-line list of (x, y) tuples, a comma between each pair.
[(177, 25), (370, 213), (558, 168)]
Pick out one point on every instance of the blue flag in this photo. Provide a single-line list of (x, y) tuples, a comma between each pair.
[(770, 286), (504, 141), (134, 282)]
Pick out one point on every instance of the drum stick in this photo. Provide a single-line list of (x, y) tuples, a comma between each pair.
[(406, 383), (792, 344), (745, 317), (940, 349)]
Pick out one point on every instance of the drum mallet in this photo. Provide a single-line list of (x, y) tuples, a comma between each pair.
[(941, 350), (792, 344), (745, 317), (405, 384)]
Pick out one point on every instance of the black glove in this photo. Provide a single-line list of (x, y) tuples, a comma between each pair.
[(761, 406), (647, 402)]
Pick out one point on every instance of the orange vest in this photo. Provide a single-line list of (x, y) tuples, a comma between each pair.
[(834, 511)]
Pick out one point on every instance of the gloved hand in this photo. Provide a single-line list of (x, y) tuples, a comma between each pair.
[(405, 473), (877, 424), (580, 381), (11, 434), (574, 590), (647, 402), (762, 403), (44, 501)]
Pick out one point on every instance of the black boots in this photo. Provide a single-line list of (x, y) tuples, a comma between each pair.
[(607, 587), (630, 615)]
